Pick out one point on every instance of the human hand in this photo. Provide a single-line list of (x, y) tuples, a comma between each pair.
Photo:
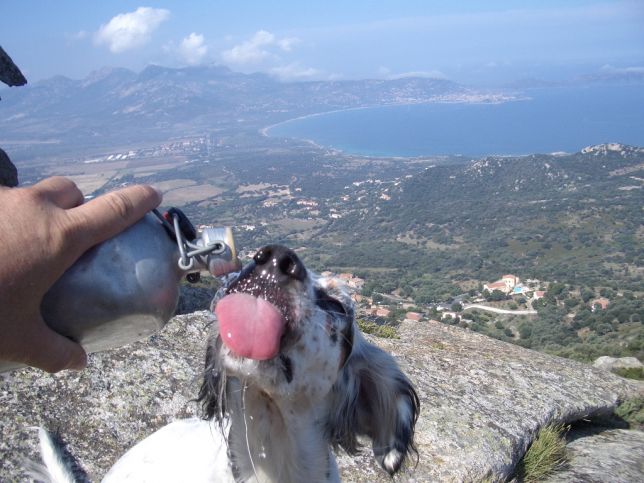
[(44, 229)]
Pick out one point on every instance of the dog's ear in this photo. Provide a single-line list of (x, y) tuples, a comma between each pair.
[(211, 394), (373, 397)]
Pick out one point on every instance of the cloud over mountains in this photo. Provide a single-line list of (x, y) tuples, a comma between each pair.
[(126, 31), (261, 46)]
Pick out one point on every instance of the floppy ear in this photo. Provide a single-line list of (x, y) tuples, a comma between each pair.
[(211, 394), (373, 397)]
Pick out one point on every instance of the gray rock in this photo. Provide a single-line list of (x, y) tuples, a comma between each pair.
[(615, 455), (8, 172), (482, 400), (611, 363), (194, 298)]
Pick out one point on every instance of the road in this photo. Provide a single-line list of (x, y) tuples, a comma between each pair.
[(499, 311)]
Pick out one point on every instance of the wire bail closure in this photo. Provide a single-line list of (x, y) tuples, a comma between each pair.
[(190, 253)]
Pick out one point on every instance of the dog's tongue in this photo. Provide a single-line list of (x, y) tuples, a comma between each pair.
[(249, 326)]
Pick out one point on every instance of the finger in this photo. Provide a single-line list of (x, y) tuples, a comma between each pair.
[(110, 214), (53, 352), (60, 191)]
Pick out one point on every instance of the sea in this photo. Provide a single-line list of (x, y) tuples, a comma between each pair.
[(542, 121)]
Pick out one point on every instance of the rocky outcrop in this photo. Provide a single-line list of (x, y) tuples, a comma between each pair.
[(612, 363), (482, 400), (614, 455), (8, 172)]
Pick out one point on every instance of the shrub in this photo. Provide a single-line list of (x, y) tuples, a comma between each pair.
[(632, 411), (630, 372), (384, 331)]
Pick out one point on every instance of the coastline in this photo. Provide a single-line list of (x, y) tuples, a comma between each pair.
[(264, 131), (562, 120)]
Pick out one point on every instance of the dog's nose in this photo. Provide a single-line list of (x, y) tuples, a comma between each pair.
[(280, 262)]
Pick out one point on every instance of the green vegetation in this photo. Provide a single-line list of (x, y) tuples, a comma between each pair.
[(630, 372), (546, 454), (632, 411), (576, 333), (384, 331)]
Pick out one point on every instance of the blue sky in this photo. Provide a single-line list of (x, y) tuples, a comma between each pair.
[(474, 42)]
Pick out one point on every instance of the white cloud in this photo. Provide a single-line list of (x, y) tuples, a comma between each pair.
[(192, 48), (622, 70), (431, 74), (261, 46), (126, 31), (287, 43), (294, 71)]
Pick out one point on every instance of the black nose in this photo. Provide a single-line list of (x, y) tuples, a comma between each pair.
[(280, 262)]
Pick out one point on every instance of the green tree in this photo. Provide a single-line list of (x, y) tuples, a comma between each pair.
[(525, 331), (586, 294)]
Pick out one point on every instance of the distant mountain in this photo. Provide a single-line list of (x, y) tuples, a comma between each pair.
[(120, 106), (609, 149)]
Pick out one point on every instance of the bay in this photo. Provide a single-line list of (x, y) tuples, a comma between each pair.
[(547, 121)]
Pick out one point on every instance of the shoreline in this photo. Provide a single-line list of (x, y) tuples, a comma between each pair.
[(264, 131)]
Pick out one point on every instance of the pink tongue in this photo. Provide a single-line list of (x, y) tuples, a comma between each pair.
[(249, 326)]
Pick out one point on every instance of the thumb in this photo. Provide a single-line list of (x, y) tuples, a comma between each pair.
[(52, 352)]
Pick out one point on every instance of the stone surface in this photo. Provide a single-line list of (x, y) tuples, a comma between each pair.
[(615, 455), (194, 298), (8, 172), (611, 363), (482, 400)]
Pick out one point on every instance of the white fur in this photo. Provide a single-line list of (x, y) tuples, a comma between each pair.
[(53, 459), (190, 450)]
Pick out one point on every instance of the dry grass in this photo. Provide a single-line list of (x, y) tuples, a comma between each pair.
[(189, 194)]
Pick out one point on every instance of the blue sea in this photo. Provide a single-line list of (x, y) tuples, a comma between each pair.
[(551, 120)]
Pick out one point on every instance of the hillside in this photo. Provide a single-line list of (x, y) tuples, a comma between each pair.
[(571, 222), (572, 218)]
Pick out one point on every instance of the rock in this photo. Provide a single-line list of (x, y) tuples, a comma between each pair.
[(482, 400), (193, 298), (8, 172), (9, 72), (612, 363), (614, 455)]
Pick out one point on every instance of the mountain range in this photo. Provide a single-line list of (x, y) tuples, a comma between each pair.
[(116, 106)]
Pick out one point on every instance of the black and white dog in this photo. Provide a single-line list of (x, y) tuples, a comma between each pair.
[(288, 377)]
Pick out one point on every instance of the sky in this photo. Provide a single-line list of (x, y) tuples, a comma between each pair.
[(491, 42)]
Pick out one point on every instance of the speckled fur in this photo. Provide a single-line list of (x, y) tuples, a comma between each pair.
[(340, 386)]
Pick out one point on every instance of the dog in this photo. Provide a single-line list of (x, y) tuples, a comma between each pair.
[(288, 379)]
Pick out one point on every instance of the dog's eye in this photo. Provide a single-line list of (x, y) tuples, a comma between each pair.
[(329, 304)]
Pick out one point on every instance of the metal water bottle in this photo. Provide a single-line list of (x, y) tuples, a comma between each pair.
[(127, 287)]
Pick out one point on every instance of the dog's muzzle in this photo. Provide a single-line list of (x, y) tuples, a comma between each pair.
[(256, 311)]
